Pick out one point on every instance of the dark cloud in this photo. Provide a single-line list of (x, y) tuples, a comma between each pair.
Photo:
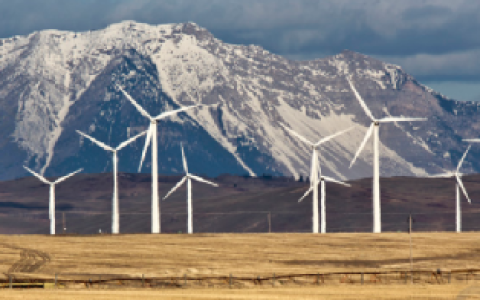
[(23, 17), (403, 31), (425, 12), (457, 66)]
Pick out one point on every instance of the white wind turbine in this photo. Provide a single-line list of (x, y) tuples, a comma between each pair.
[(152, 137), (323, 215), (188, 177), (459, 185), (51, 203), (315, 173), (115, 214), (374, 128)]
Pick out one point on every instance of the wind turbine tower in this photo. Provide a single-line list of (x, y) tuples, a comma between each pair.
[(459, 185), (152, 137), (188, 177), (115, 213), (323, 214), (374, 128), (315, 174), (51, 203)]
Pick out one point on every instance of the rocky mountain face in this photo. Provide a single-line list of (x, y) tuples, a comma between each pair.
[(55, 82)]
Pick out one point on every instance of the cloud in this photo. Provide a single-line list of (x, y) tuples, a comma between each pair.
[(464, 65), (412, 32)]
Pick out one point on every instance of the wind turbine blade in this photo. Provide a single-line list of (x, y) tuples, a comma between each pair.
[(362, 103), (443, 175), (130, 140), (472, 140), (400, 119), (67, 176), (460, 183), (202, 180), (329, 179), (172, 112), (367, 136), (100, 144), (306, 193), (147, 143), (139, 108), (326, 139), (463, 158), (297, 135), (184, 161), (176, 187), (37, 175)]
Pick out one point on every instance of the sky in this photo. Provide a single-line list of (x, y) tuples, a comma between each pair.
[(437, 42)]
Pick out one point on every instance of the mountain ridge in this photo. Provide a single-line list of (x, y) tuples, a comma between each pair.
[(50, 77)]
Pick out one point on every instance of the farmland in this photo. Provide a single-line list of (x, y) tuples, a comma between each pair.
[(248, 255), (355, 292), (238, 254)]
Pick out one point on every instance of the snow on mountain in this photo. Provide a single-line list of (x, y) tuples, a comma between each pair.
[(52, 82)]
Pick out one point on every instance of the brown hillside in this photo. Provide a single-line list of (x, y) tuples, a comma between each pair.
[(239, 205)]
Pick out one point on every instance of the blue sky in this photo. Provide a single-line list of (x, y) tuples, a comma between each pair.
[(438, 42)]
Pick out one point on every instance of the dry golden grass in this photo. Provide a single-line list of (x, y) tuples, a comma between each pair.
[(352, 292), (237, 254)]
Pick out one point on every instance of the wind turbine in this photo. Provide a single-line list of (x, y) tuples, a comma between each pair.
[(322, 181), (115, 215), (188, 177), (374, 128), (459, 185), (152, 137), (315, 170), (51, 203)]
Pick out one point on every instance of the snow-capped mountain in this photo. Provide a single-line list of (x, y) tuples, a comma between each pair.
[(55, 82)]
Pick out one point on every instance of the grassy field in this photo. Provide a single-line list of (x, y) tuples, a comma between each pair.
[(418, 292), (198, 255), (237, 254)]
